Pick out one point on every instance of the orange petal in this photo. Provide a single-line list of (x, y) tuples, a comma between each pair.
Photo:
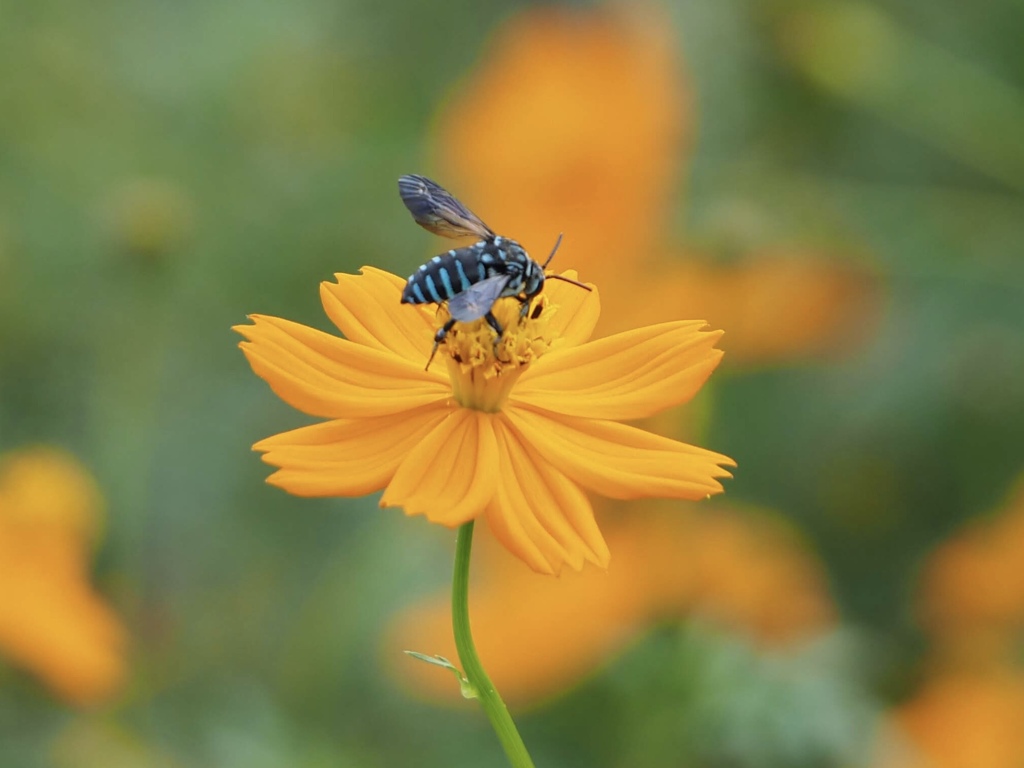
[(326, 376), (347, 457), (619, 461), (539, 514), (450, 475), (631, 375), (367, 308), (578, 310), (508, 526)]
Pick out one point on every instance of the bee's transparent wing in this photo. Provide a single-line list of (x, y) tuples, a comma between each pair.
[(477, 300), (436, 209)]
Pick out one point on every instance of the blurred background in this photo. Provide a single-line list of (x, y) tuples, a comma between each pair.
[(838, 185)]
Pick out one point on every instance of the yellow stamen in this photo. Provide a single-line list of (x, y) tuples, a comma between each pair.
[(482, 379)]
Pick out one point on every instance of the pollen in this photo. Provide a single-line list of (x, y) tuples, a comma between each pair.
[(482, 367)]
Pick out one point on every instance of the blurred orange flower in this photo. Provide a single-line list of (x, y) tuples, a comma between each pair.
[(970, 710), (775, 306), (578, 120), (967, 720), (741, 568), (573, 121), (972, 587), (51, 620), (512, 434)]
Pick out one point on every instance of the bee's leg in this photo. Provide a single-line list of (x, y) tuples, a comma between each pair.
[(438, 338), (524, 306), (498, 330)]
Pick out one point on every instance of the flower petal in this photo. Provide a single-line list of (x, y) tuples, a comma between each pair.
[(450, 475), (323, 375), (347, 457), (367, 308), (578, 310), (630, 375), (618, 461), (508, 528), (511, 517), (570, 500), (538, 513)]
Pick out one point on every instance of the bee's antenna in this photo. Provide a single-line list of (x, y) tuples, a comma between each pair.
[(558, 242), (569, 280)]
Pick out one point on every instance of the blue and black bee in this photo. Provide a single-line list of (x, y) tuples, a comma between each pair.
[(472, 278)]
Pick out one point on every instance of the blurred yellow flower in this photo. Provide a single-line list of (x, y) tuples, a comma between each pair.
[(51, 620), (739, 568), (512, 438), (578, 120)]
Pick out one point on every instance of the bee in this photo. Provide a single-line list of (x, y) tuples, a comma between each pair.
[(473, 278)]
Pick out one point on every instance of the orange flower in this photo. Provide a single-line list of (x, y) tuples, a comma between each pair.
[(972, 592), (776, 305), (512, 438), (573, 122), (968, 721), (577, 120), (740, 568), (754, 574), (51, 620), (970, 712)]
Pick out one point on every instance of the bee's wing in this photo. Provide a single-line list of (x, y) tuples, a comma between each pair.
[(436, 209), (477, 300)]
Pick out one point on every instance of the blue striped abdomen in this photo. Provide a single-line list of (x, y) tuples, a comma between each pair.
[(446, 275)]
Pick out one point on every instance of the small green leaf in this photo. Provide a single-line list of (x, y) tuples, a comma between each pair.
[(467, 688)]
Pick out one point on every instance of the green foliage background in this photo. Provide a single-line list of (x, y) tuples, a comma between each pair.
[(167, 168)]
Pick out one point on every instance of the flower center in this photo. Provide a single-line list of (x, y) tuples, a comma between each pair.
[(483, 370)]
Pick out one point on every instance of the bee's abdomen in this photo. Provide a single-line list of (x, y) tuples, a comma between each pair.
[(445, 276)]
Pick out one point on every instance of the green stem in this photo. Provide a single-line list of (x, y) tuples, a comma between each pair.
[(495, 708)]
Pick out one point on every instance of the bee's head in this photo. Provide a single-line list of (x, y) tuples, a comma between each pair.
[(525, 275), (533, 279)]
